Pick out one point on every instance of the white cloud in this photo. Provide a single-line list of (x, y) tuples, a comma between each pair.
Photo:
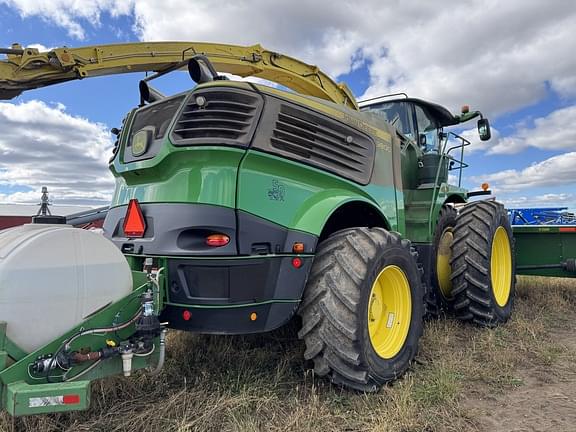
[(452, 179), (551, 132), (43, 145), (553, 172), (497, 56), (40, 47), (476, 144), (315, 31), (69, 13)]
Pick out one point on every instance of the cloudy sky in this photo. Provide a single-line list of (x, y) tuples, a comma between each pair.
[(514, 60)]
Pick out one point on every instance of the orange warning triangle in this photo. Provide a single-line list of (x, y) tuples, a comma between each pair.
[(134, 222)]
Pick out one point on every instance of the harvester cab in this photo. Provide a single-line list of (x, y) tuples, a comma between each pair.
[(422, 123), (239, 206)]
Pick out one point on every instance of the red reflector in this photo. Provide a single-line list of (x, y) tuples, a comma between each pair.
[(296, 262), (186, 315), (71, 399), (217, 240), (568, 229), (134, 223)]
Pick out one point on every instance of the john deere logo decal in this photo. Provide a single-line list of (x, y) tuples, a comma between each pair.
[(140, 143), (277, 192)]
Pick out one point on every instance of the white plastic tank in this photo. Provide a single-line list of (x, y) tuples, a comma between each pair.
[(54, 276)]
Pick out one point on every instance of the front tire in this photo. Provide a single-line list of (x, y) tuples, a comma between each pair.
[(483, 267), (362, 311)]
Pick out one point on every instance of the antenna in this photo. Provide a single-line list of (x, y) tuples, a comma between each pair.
[(44, 216), (44, 210)]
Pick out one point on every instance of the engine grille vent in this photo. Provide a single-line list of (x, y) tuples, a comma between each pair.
[(310, 138), (218, 116)]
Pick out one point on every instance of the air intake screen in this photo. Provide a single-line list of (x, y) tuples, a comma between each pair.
[(218, 116), (320, 141)]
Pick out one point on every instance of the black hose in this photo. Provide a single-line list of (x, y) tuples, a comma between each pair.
[(83, 333)]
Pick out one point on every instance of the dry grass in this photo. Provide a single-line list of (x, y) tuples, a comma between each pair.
[(258, 383)]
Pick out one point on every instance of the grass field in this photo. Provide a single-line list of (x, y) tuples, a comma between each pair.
[(521, 376)]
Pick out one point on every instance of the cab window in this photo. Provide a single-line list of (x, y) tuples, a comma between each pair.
[(428, 128), (398, 114)]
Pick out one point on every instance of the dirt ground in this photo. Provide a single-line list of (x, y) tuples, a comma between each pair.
[(545, 399), (520, 376)]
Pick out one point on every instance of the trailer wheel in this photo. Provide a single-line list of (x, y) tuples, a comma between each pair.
[(362, 311), (483, 268), (439, 296)]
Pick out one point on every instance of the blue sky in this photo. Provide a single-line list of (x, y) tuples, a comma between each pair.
[(513, 60)]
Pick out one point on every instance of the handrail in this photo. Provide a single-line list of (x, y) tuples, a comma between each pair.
[(445, 154), (462, 165), (391, 95)]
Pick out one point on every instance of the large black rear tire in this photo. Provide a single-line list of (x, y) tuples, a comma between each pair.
[(357, 331), (483, 265)]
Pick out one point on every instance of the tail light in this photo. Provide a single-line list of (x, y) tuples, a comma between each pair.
[(217, 240)]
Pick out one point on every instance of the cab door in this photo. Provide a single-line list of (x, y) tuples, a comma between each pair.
[(428, 131)]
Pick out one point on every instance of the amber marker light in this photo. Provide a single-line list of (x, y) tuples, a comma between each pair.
[(298, 247), (253, 316), (485, 186), (217, 240)]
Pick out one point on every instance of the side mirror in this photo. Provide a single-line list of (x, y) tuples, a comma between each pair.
[(484, 129)]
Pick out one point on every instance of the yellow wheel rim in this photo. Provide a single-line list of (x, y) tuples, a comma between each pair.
[(501, 266), (443, 268), (389, 311)]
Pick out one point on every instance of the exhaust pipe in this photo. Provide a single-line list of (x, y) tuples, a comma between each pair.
[(201, 70), (149, 94)]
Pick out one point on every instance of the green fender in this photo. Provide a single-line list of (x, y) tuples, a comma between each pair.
[(316, 211), (297, 196)]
